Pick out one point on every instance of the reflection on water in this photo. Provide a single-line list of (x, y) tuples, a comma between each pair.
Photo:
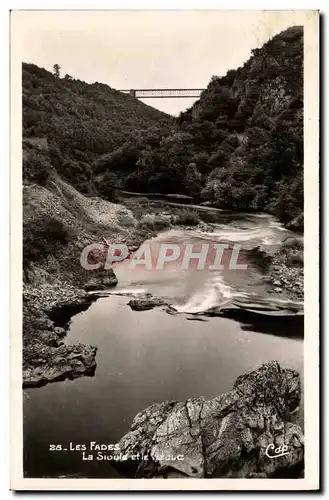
[(150, 356)]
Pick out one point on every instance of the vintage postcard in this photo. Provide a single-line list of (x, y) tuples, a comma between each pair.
[(164, 235)]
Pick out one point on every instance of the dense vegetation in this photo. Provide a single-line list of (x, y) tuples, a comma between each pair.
[(43, 237), (80, 123), (239, 147)]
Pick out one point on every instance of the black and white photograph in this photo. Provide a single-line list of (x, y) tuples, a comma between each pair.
[(166, 171)]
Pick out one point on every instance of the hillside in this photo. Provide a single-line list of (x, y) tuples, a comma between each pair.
[(259, 109), (240, 146), (80, 122)]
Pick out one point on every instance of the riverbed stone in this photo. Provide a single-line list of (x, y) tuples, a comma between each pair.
[(61, 332), (145, 303), (224, 437)]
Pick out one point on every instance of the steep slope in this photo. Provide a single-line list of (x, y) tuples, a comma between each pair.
[(59, 222), (80, 122), (240, 146), (259, 163)]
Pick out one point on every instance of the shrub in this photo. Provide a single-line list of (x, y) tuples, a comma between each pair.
[(43, 237), (162, 221), (295, 260), (142, 200), (146, 222), (188, 218), (125, 219), (107, 186), (36, 166), (211, 217), (155, 221)]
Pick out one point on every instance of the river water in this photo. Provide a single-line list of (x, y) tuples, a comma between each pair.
[(156, 355)]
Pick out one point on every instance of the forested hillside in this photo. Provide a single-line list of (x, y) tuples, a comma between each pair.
[(253, 121), (240, 146), (70, 123)]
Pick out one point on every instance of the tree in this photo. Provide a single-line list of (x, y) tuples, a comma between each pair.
[(68, 77), (193, 180), (56, 69), (107, 186)]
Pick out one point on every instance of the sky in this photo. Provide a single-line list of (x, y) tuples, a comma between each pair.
[(146, 49)]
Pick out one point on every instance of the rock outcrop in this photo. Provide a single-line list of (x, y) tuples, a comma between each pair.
[(46, 315), (58, 362), (146, 302), (228, 436)]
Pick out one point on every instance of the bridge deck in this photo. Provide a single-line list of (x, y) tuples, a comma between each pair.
[(155, 93)]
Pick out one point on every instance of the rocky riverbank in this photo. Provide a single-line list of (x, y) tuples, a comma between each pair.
[(58, 223), (233, 435), (286, 273), (46, 357)]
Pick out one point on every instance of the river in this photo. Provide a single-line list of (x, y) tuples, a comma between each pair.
[(155, 355)]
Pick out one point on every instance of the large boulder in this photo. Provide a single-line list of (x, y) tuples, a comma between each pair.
[(228, 436)]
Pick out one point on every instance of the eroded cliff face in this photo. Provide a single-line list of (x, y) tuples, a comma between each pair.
[(232, 435)]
